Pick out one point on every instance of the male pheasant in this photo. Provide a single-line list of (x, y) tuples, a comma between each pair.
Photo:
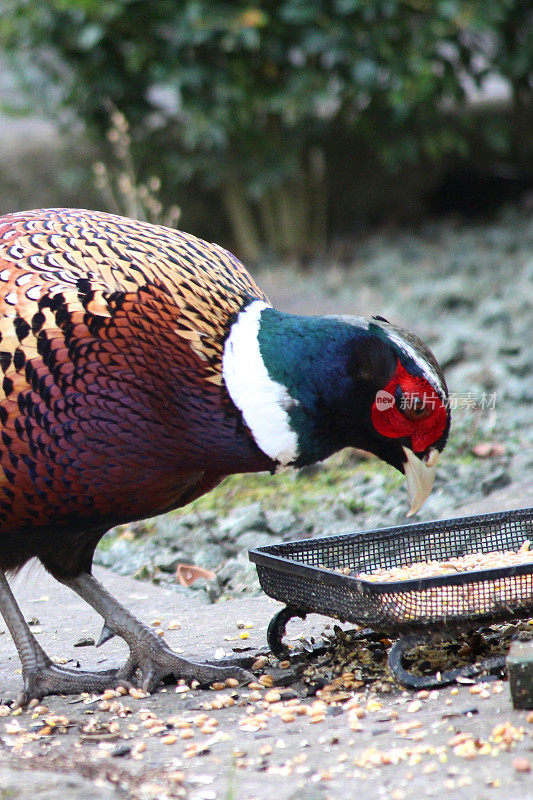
[(140, 366)]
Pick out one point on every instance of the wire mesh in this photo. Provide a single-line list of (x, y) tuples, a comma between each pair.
[(299, 573)]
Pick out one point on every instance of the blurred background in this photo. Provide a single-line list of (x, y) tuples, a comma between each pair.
[(279, 128), (361, 156)]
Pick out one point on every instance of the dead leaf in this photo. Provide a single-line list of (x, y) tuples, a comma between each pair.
[(189, 573), (488, 449)]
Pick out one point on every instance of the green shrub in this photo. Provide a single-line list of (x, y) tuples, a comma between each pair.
[(246, 99)]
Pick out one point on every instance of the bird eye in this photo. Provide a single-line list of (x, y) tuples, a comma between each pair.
[(415, 408)]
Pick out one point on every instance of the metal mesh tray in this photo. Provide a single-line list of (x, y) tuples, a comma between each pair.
[(297, 573)]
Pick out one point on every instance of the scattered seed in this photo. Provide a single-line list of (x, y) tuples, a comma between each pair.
[(404, 728), (13, 728), (179, 723), (150, 723), (137, 749), (273, 696), (466, 749), (287, 716), (170, 738), (522, 764), (398, 794), (207, 729)]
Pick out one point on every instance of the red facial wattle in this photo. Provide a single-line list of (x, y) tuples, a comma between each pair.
[(401, 422)]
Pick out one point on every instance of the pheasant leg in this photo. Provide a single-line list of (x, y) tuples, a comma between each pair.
[(40, 675), (148, 652)]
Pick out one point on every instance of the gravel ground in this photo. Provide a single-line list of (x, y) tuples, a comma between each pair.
[(467, 290)]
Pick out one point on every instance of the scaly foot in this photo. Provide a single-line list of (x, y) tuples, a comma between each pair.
[(149, 654), (50, 679), (156, 661)]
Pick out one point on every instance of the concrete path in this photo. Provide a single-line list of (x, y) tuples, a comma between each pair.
[(466, 742)]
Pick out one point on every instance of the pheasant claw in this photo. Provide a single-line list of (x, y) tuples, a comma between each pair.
[(106, 634)]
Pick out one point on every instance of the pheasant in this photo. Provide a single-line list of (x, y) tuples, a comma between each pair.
[(140, 366)]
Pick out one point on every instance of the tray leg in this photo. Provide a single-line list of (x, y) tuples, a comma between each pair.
[(276, 630), (404, 644)]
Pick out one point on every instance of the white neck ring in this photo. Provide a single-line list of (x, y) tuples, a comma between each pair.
[(263, 402)]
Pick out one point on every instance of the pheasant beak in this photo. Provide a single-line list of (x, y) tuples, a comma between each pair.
[(420, 476)]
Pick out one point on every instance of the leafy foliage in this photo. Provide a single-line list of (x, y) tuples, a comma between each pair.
[(247, 98)]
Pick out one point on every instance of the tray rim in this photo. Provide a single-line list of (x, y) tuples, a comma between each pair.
[(264, 557)]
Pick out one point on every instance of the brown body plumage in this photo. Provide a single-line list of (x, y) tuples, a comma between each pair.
[(111, 346), (139, 367)]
